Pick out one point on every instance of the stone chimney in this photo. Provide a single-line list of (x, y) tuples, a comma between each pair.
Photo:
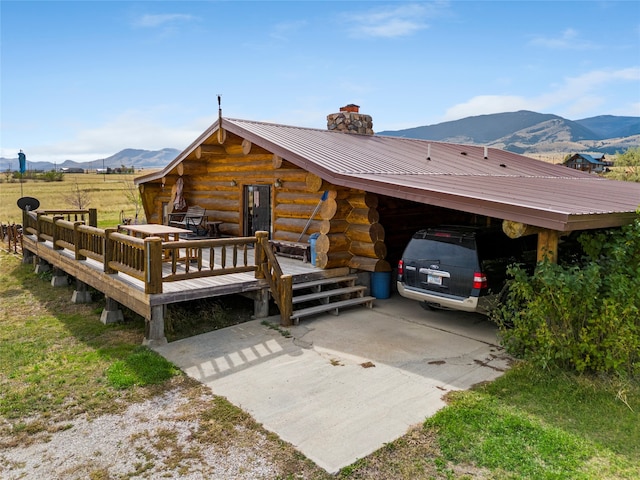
[(349, 120)]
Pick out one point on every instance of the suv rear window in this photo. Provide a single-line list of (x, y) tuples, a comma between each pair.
[(445, 250)]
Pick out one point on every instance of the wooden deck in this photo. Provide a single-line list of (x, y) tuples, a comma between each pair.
[(146, 275), (91, 272)]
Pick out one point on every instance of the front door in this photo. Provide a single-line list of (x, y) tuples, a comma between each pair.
[(257, 209)]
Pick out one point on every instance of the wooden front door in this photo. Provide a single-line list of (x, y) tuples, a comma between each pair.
[(257, 209)]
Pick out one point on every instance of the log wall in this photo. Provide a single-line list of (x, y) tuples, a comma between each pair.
[(215, 174)]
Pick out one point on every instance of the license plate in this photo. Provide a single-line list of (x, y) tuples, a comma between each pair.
[(434, 280)]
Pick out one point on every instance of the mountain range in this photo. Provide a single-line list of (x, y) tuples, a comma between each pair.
[(531, 132), (522, 132), (129, 157)]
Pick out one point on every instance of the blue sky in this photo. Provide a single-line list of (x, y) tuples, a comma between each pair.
[(83, 80)]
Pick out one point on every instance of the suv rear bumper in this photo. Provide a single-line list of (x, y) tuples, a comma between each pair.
[(468, 304)]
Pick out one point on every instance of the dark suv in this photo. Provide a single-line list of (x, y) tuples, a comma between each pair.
[(460, 267)]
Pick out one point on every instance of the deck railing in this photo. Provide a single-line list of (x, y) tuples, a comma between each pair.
[(143, 259), (281, 285), (45, 226), (89, 242), (88, 216)]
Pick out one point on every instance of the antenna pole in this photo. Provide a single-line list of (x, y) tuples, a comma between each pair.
[(219, 119)]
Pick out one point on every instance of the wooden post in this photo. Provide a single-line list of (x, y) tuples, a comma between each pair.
[(108, 249), (153, 265), (56, 232), (260, 255), (38, 229), (286, 300), (548, 245), (77, 241), (93, 217)]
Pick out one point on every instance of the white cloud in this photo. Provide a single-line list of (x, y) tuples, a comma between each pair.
[(153, 21), (399, 21), (568, 40), (131, 129), (574, 97)]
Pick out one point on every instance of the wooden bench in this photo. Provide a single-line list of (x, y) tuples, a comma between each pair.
[(195, 218), (300, 251)]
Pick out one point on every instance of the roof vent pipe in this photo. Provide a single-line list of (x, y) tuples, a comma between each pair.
[(486, 152), (428, 151)]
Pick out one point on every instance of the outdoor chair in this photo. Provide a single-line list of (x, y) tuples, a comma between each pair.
[(195, 219)]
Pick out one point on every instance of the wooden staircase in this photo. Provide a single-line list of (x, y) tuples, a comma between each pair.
[(327, 295)]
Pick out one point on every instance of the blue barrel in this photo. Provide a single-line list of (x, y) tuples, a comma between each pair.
[(312, 241), (381, 284)]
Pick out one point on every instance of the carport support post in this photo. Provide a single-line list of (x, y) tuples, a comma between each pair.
[(154, 328), (111, 312), (548, 245), (81, 293)]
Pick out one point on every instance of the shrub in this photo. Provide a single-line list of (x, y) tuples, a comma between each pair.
[(583, 317)]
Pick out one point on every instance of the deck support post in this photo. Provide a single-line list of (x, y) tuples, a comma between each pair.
[(261, 303), (42, 266), (154, 328), (81, 293), (59, 278), (27, 257), (112, 312)]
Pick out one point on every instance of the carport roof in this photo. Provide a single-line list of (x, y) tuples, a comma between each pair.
[(501, 184)]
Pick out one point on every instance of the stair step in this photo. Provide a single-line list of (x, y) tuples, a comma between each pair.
[(327, 307), (324, 281), (328, 293)]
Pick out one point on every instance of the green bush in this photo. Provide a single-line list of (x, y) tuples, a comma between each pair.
[(583, 317)]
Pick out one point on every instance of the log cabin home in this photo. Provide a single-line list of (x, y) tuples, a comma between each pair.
[(586, 163), (364, 195)]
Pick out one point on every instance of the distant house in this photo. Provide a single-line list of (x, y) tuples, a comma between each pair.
[(72, 170), (587, 163)]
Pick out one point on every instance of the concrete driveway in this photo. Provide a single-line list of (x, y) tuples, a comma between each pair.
[(342, 386)]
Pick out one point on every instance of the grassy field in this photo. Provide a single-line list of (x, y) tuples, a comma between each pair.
[(58, 362), (107, 193)]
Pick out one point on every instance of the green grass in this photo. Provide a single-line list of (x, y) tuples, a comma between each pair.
[(140, 367), (530, 424), (107, 193), (57, 359)]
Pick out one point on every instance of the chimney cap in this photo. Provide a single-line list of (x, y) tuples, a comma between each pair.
[(350, 108)]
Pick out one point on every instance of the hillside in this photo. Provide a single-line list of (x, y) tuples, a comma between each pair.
[(531, 132)]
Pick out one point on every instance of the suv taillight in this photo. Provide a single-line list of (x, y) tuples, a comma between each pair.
[(400, 268), (479, 280)]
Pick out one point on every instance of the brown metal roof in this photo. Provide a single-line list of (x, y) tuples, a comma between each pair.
[(503, 185)]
